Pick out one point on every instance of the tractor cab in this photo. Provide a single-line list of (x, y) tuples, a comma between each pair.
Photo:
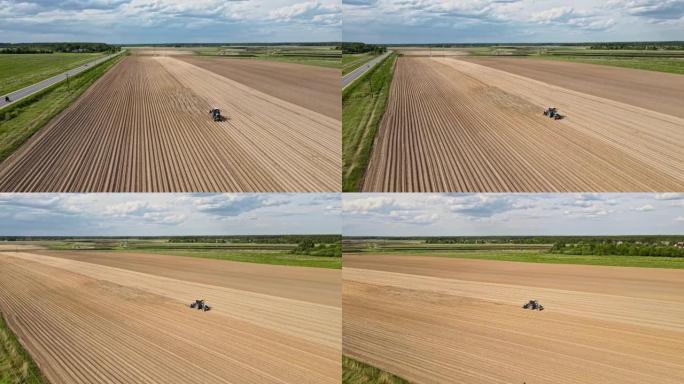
[(533, 305), (552, 113), (199, 304), (215, 114)]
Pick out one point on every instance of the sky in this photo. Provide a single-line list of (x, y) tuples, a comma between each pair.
[(150, 214), (512, 214), (170, 21), (515, 21)]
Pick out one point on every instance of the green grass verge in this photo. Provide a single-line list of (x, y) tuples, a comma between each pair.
[(353, 61), (16, 366), (356, 372), (317, 61), (260, 257), (318, 56), (19, 121), (553, 258), (362, 111), (20, 70), (669, 65)]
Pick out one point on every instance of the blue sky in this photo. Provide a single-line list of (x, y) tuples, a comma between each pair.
[(479, 21), (168, 21), (168, 214), (512, 214)]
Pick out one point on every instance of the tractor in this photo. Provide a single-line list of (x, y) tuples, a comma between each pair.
[(216, 114), (552, 113), (533, 305), (199, 304)]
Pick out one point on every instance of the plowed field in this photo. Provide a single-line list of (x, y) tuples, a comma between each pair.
[(144, 127), (314, 88), (90, 323), (453, 125), (657, 91), (442, 320)]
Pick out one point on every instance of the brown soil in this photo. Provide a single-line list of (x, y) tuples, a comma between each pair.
[(656, 91), (453, 126), (90, 323), (315, 285), (314, 88), (145, 127), (453, 320)]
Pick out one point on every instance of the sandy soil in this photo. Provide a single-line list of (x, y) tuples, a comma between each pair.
[(18, 246), (316, 285), (656, 91), (161, 52), (145, 127), (311, 87), (431, 52), (91, 323), (452, 126), (453, 320)]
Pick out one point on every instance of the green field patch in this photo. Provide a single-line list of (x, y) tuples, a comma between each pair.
[(254, 256), (553, 258), (659, 64), (16, 365), (363, 105), (21, 70), (20, 120), (356, 372), (323, 56)]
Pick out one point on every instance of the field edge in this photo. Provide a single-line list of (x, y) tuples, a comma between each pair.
[(357, 372), (16, 364), (24, 107)]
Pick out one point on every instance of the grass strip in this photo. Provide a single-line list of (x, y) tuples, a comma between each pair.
[(554, 258), (21, 70), (356, 372), (317, 61), (669, 65), (259, 257), (21, 120), (363, 105), (16, 365)]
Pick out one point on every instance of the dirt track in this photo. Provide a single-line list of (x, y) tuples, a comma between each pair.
[(451, 320), (314, 88), (144, 127), (90, 323), (453, 126), (656, 91)]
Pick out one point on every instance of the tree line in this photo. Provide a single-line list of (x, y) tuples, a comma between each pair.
[(363, 48), (309, 247), (618, 249), (646, 45), (259, 239), (24, 48), (655, 239)]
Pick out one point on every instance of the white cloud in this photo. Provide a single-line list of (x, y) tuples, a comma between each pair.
[(142, 21), (424, 21), (168, 214), (645, 207), (428, 214), (669, 196)]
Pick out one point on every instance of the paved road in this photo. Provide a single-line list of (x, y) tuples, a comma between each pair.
[(37, 87), (358, 72)]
